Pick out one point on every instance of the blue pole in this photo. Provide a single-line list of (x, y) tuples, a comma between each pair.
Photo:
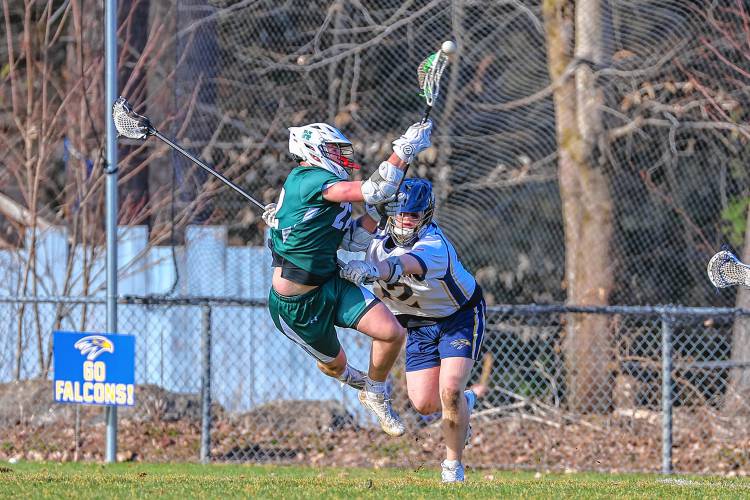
[(110, 76)]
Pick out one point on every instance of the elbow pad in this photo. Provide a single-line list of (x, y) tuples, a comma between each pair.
[(383, 184), (356, 238)]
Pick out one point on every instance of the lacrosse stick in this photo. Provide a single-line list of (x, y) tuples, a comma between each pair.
[(134, 126), (725, 270), (429, 72)]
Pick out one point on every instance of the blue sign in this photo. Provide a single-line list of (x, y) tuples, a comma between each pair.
[(94, 368)]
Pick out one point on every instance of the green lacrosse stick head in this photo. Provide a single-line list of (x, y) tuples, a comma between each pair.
[(423, 70)]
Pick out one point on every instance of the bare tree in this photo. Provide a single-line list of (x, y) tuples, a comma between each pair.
[(51, 131), (585, 194)]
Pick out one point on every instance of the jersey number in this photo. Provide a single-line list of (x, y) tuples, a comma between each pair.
[(278, 208), (342, 219), (402, 293)]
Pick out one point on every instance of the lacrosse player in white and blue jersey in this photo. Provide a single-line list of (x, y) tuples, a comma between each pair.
[(415, 271)]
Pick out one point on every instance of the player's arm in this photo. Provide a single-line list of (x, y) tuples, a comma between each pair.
[(352, 190), (411, 265), (432, 261), (388, 270), (383, 184)]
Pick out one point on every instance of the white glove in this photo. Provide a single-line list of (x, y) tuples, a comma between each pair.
[(359, 271), (269, 215), (391, 208), (415, 140)]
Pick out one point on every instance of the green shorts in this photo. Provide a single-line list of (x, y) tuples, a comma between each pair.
[(309, 319)]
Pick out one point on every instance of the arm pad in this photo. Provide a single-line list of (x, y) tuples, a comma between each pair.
[(383, 184), (356, 238)]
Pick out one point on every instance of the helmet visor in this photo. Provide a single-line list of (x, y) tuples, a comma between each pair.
[(340, 153)]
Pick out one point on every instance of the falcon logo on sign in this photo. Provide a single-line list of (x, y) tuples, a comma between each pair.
[(93, 345)]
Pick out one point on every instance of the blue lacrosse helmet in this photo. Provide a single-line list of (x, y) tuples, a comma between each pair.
[(419, 200)]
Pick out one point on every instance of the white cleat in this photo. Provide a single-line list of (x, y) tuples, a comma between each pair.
[(380, 406), (355, 379), (452, 474)]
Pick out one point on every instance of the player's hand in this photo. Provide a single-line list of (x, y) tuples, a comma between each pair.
[(374, 212), (269, 215), (359, 272), (415, 140), (393, 207), (390, 208)]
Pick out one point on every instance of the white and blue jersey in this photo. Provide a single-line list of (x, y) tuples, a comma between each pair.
[(442, 307), (440, 291)]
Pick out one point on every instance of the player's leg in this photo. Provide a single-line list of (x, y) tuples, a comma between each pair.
[(308, 321), (454, 375), (423, 389), (423, 368), (387, 336), (459, 346), (358, 308)]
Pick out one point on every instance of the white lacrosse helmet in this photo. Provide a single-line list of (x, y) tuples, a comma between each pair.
[(324, 146)]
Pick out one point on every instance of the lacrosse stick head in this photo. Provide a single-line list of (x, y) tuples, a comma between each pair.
[(129, 123), (725, 270), (429, 72)]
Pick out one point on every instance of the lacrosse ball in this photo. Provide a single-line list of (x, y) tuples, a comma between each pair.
[(448, 47)]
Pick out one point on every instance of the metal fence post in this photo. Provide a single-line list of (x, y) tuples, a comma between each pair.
[(666, 392), (110, 75), (205, 383)]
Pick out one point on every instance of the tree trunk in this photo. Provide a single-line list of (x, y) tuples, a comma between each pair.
[(585, 196), (739, 386)]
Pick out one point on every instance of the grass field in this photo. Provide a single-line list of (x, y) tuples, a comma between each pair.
[(53, 480)]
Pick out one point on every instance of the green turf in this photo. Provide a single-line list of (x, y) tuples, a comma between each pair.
[(53, 480)]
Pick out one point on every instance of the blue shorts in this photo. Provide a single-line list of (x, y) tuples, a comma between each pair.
[(459, 335)]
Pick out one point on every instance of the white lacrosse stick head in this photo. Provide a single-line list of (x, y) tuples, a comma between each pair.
[(725, 270), (129, 123)]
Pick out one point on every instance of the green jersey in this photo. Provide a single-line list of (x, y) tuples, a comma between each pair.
[(309, 228)]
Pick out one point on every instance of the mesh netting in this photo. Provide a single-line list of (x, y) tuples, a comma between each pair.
[(608, 150), (670, 78)]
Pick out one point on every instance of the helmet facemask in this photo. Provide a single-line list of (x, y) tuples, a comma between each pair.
[(407, 236), (415, 215), (341, 154)]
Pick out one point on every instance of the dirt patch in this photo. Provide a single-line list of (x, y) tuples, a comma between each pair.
[(29, 402), (167, 428)]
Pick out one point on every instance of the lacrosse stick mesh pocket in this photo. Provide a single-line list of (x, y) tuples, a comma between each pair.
[(724, 270), (127, 122)]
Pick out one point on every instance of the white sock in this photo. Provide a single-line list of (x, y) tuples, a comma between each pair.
[(348, 371), (451, 464), (374, 386)]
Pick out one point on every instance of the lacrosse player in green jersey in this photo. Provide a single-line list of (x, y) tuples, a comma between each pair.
[(309, 222)]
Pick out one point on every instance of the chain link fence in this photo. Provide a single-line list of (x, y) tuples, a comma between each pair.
[(266, 402), (575, 388)]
